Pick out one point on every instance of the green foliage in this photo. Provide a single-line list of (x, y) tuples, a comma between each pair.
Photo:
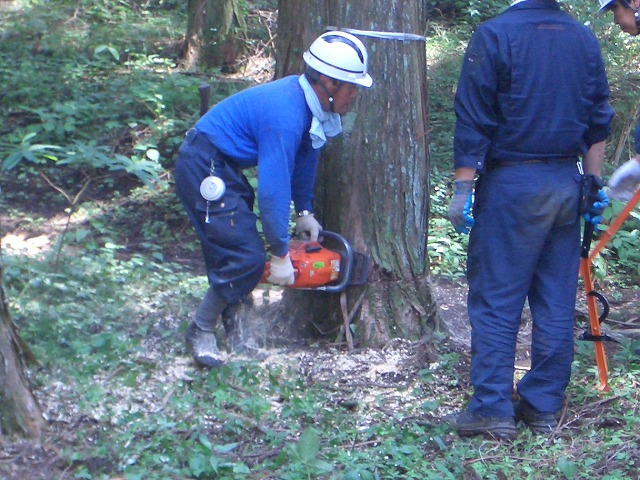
[(305, 456), (105, 98), (145, 167), (465, 11), (107, 323), (35, 153), (621, 253), (108, 100)]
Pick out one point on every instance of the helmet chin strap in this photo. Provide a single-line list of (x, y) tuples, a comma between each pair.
[(329, 94)]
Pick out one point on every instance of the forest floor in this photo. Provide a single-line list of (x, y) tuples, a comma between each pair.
[(379, 371)]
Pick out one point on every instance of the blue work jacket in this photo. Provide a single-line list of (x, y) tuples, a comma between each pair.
[(533, 85), (268, 126)]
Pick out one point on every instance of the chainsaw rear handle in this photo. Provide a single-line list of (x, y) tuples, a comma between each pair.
[(345, 270)]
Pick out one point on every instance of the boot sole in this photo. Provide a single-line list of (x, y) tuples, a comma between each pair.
[(208, 362), (500, 433)]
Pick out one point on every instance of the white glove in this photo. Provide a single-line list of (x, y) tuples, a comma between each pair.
[(624, 181), (281, 270), (308, 223)]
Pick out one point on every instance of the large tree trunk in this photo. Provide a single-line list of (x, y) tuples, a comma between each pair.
[(19, 411), (373, 180), (296, 32), (214, 34)]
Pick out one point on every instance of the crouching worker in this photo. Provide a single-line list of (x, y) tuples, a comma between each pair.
[(279, 127)]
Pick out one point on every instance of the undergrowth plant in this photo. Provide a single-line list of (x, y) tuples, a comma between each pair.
[(109, 101)]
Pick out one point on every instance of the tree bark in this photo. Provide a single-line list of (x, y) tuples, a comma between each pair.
[(296, 32), (213, 35), (373, 180), (19, 411)]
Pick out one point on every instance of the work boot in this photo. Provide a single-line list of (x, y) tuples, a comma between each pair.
[(537, 421), (467, 424), (203, 347)]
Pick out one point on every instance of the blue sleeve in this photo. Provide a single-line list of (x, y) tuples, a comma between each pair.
[(602, 112), (304, 176), (638, 138), (475, 101), (276, 153)]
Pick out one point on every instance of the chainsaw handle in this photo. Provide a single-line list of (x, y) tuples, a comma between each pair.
[(345, 273)]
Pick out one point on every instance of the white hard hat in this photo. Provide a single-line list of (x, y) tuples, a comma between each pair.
[(604, 5), (339, 55)]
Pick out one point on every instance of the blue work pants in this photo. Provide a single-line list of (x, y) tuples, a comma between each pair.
[(525, 245), (234, 252)]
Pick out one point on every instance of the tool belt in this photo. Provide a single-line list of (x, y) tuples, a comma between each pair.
[(495, 163)]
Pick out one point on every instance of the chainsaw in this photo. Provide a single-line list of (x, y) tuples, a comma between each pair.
[(317, 267)]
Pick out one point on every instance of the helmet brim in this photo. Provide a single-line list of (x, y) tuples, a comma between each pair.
[(366, 81), (604, 9)]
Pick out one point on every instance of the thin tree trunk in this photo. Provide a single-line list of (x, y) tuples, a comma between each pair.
[(19, 411), (213, 35), (192, 47)]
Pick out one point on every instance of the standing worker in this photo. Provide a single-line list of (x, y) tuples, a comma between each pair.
[(278, 127), (625, 179), (532, 99)]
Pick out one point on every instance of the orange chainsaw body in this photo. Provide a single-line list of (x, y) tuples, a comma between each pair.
[(314, 265)]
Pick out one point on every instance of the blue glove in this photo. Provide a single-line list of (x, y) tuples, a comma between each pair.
[(460, 206), (594, 215)]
